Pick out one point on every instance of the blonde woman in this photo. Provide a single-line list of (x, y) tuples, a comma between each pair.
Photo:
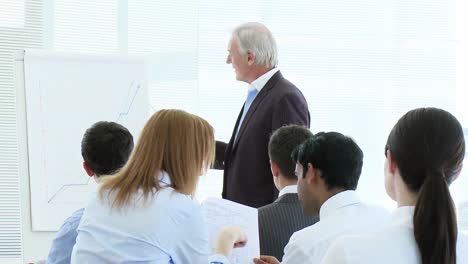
[(145, 213)]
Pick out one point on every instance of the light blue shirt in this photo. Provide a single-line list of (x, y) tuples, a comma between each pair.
[(167, 228), (62, 246)]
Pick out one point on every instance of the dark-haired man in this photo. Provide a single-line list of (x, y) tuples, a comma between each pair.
[(105, 147), (328, 169), (279, 220)]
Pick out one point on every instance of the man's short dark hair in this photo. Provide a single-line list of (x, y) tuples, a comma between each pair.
[(282, 143), (337, 157), (106, 147)]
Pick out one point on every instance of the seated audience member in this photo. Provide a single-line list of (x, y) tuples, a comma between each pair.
[(279, 220), (145, 213), (105, 148), (328, 169), (424, 155)]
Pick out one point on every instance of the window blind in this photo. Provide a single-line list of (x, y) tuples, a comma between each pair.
[(20, 27)]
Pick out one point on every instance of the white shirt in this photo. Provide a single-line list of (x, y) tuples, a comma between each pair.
[(260, 82), (288, 189), (395, 243), (342, 214), (168, 228)]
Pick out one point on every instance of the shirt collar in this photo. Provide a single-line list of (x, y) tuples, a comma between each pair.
[(164, 178), (260, 82), (403, 216), (338, 201), (288, 189)]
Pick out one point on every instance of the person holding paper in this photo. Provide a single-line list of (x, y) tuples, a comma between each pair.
[(105, 148), (328, 169), (279, 220), (271, 103), (145, 213)]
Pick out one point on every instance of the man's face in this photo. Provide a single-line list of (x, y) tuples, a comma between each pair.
[(305, 191), (239, 61)]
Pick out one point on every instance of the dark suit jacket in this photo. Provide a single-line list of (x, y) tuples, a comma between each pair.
[(247, 174), (278, 221)]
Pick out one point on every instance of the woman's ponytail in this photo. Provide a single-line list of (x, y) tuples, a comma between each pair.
[(435, 224)]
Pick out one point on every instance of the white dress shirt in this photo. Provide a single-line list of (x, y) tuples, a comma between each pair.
[(260, 82), (342, 214), (167, 228), (288, 189), (395, 243)]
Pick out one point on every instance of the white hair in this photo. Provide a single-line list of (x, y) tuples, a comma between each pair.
[(257, 38)]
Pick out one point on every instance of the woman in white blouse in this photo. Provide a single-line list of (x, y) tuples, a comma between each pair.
[(145, 213), (424, 155)]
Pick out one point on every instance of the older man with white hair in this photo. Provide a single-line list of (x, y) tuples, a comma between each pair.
[(272, 102)]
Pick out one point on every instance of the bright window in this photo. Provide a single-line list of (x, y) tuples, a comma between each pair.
[(361, 65)]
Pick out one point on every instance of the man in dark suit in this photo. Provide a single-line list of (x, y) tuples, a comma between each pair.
[(279, 220), (272, 102)]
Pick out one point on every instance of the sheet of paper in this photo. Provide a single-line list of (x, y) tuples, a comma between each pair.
[(219, 213)]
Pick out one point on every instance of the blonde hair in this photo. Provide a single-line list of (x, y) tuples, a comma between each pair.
[(174, 141)]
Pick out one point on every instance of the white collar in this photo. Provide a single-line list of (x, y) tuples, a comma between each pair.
[(164, 178), (338, 201), (288, 189), (260, 82), (403, 216)]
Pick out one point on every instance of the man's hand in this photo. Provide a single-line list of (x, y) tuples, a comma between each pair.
[(266, 260)]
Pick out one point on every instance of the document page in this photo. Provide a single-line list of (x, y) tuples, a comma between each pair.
[(219, 213)]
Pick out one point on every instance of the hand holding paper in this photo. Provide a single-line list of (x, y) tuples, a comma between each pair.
[(230, 237), (230, 224)]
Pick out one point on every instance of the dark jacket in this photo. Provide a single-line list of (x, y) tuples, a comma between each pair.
[(278, 221), (247, 174)]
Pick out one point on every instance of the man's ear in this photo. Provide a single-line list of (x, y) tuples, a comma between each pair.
[(250, 58), (274, 168), (312, 174), (88, 170)]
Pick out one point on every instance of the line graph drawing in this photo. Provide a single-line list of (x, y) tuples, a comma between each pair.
[(64, 94), (66, 186), (129, 107), (133, 90)]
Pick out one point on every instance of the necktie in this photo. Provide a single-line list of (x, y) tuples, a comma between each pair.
[(250, 97)]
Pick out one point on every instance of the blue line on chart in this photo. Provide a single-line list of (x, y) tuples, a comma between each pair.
[(67, 185), (131, 102)]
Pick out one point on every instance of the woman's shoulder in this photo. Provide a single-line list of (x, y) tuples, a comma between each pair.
[(175, 201)]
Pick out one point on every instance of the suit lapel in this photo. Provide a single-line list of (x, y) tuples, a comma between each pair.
[(253, 107), (233, 136)]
